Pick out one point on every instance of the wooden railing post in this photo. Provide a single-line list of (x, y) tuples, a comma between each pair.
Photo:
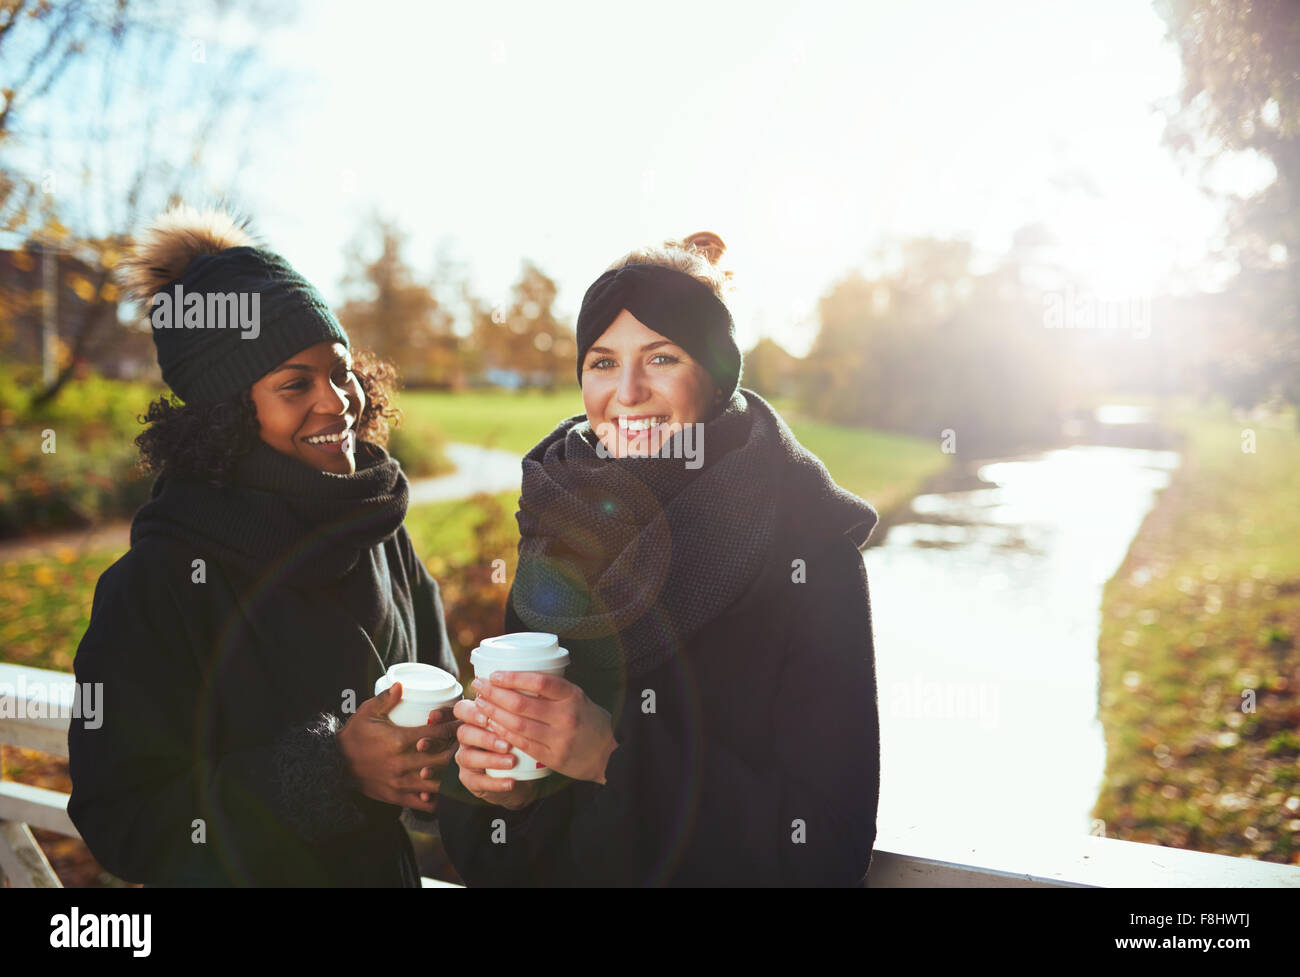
[(22, 863)]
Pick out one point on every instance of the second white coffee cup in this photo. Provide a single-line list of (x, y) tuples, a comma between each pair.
[(424, 689), (522, 651)]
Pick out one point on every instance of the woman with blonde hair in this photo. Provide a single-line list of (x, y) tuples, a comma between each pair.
[(718, 724)]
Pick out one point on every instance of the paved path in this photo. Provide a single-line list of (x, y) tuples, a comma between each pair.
[(477, 470)]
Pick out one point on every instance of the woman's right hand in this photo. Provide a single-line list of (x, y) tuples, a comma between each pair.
[(386, 761), (480, 748)]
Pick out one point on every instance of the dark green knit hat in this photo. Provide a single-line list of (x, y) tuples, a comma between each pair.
[(279, 313), (224, 312)]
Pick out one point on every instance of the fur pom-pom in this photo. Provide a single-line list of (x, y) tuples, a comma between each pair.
[(168, 245)]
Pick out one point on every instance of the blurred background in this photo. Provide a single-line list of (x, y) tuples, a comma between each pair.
[(1022, 274)]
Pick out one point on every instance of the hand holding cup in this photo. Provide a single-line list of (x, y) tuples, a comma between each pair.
[(548, 723), (391, 763), (550, 719), (424, 688), (482, 750)]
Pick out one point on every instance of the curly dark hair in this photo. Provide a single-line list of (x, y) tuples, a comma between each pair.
[(207, 439)]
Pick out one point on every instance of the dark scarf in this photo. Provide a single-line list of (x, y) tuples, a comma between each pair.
[(634, 555), (280, 515)]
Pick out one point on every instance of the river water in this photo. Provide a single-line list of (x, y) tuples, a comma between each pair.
[(986, 611)]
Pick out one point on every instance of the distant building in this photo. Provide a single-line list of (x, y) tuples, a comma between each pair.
[(510, 379), (516, 379), (115, 349)]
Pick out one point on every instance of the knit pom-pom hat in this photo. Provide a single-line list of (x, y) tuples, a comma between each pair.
[(224, 311)]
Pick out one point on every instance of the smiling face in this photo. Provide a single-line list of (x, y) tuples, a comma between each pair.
[(309, 408), (639, 387)]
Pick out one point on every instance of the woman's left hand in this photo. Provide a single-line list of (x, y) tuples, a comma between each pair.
[(561, 728)]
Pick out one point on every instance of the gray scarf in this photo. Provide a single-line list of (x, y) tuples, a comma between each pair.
[(632, 556)]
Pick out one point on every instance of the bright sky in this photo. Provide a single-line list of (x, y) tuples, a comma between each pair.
[(806, 135)]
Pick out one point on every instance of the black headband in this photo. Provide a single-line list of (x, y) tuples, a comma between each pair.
[(674, 304)]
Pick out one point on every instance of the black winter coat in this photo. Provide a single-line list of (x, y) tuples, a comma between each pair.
[(216, 761), (759, 765)]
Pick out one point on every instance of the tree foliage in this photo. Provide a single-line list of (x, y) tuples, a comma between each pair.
[(1241, 92), (932, 347), (395, 314), (523, 336), (110, 111)]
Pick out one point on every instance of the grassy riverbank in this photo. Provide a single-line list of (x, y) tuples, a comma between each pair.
[(1200, 671), (494, 419)]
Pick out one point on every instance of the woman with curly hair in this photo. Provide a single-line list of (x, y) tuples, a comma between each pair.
[(718, 722), (269, 583)]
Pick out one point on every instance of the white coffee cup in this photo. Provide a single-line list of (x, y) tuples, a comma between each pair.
[(522, 651), (424, 689)]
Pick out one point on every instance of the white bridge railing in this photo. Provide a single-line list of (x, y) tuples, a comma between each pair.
[(34, 714)]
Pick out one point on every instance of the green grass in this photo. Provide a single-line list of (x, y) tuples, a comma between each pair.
[(1203, 615), (71, 462), (885, 469), (443, 532), (88, 411), (509, 421), (45, 605)]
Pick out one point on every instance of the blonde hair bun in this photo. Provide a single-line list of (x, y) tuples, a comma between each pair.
[(696, 255), (708, 242)]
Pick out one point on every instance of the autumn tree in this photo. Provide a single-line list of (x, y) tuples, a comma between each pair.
[(109, 110), (1241, 93), (391, 311), (769, 369), (933, 346), (523, 335)]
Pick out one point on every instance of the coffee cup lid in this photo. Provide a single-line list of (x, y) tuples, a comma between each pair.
[(417, 679), (520, 651)]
